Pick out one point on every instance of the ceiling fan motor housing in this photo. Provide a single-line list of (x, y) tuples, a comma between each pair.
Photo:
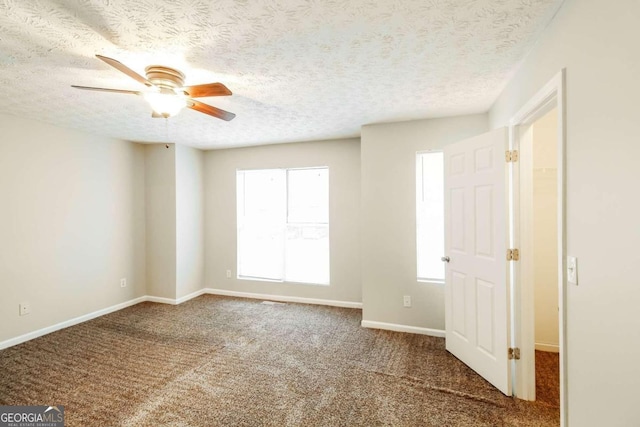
[(165, 77)]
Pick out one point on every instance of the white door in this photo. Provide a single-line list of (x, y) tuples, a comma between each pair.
[(476, 294)]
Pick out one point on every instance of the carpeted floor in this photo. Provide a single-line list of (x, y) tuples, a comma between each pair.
[(548, 378), (217, 361)]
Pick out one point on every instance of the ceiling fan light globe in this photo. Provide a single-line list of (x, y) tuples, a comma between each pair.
[(165, 104)]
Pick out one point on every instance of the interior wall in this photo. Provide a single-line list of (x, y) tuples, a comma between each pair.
[(545, 231), (597, 43), (160, 201), (343, 159), (389, 265), (189, 220), (71, 224)]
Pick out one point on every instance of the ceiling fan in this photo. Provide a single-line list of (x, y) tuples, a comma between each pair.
[(166, 92)]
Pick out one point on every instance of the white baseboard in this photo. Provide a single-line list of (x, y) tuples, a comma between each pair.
[(333, 303), (402, 328), (150, 298), (76, 320), (192, 295), (177, 301), (553, 348), (161, 300)]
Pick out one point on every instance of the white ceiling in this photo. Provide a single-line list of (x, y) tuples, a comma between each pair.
[(299, 69)]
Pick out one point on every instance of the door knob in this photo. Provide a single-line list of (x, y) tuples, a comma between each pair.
[(445, 259)]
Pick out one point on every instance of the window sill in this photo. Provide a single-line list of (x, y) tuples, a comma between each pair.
[(431, 281), (259, 279)]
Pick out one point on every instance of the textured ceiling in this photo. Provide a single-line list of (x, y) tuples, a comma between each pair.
[(299, 70)]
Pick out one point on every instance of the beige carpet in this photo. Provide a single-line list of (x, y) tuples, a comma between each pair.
[(216, 361), (548, 378)]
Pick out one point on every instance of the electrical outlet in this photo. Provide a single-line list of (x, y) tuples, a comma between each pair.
[(407, 300), (228, 274), (123, 283), (24, 308)]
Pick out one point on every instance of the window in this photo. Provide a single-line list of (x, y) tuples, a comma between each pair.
[(430, 216), (283, 225)]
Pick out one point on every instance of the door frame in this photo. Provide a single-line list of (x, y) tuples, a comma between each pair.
[(550, 96)]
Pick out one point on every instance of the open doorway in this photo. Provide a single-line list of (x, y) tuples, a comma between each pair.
[(490, 299), (543, 193), (539, 231)]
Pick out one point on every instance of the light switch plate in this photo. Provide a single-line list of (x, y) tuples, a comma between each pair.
[(572, 270)]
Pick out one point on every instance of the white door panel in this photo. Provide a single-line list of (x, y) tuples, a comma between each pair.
[(476, 295)]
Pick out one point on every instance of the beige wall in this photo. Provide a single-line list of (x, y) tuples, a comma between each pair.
[(174, 220), (71, 224), (597, 43), (389, 266), (189, 172), (160, 201), (343, 159), (545, 231)]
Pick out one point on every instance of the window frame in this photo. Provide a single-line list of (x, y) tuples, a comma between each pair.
[(419, 186), (285, 225)]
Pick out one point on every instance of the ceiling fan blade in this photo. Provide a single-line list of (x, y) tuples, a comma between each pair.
[(102, 89), (210, 89), (157, 116), (208, 109), (123, 68)]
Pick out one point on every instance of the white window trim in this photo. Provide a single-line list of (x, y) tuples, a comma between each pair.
[(267, 280), (426, 280)]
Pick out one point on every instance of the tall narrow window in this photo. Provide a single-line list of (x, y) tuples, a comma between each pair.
[(430, 215), (283, 225)]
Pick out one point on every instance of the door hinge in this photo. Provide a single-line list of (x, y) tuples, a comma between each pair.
[(513, 255), (511, 156), (514, 353)]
